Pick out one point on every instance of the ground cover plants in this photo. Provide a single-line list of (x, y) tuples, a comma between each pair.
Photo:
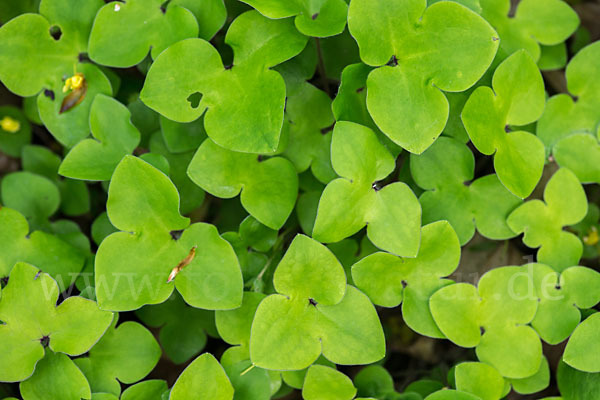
[(299, 199)]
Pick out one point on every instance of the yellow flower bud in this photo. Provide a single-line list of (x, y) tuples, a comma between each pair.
[(9, 124)]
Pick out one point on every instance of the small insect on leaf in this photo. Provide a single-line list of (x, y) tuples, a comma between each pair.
[(78, 86), (182, 264)]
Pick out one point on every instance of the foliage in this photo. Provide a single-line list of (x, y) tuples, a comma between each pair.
[(342, 199)]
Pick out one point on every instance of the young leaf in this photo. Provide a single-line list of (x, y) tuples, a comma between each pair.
[(542, 222), (569, 126), (493, 318), (560, 298), (203, 379), (125, 354), (535, 22), (535, 383), (517, 98), (269, 187), (114, 137), (210, 14), (183, 329), (321, 18), (55, 377), (325, 383), (583, 346), (392, 213), (405, 97), (134, 267), (315, 313), (151, 389), (389, 280), (54, 256), (32, 321), (138, 26), (249, 90), (445, 171), (479, 379)]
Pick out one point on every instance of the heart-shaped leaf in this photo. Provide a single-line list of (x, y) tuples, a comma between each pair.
[(542, 222), (389, 280), (325, 383), (405, 97), (140, 26), (248, 89), (535, 22), (210, 14), (445, 171), (114, 137), (55, 377), (560, 298), (516, 98), (392, 213), (32, 321), (313, 18), (569, 126), (203, 379), (134, 267), (269, 187), (315, 313), (125, 354), (493, 318)]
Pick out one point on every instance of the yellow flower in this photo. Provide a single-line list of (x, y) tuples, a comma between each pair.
[(10, 124), (74, 82), (592, 237)]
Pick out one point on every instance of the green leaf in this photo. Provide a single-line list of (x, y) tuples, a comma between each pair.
[(315, 313), (54, 256), (479, 379), (309, 115), (560, 298), (133, 266), (374, 381), (392, 213), (313, 18), (114, 137), (253, 384), (125, 354), (542, 222), (502, 304), (203, 379), (32, 319), (516, 98), (535, 22), (445, 171), (30, 58), (575, 384), (406, 98), (183, 329), (15, 131), (34, 196), (389, 280), (269, 187), (325, 383), (180, 138), (151, 389), (101, 228), (248, 89), (234, 325), (140, 26), (568, 126), (55, 377), (583, 346), (535, 383)]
